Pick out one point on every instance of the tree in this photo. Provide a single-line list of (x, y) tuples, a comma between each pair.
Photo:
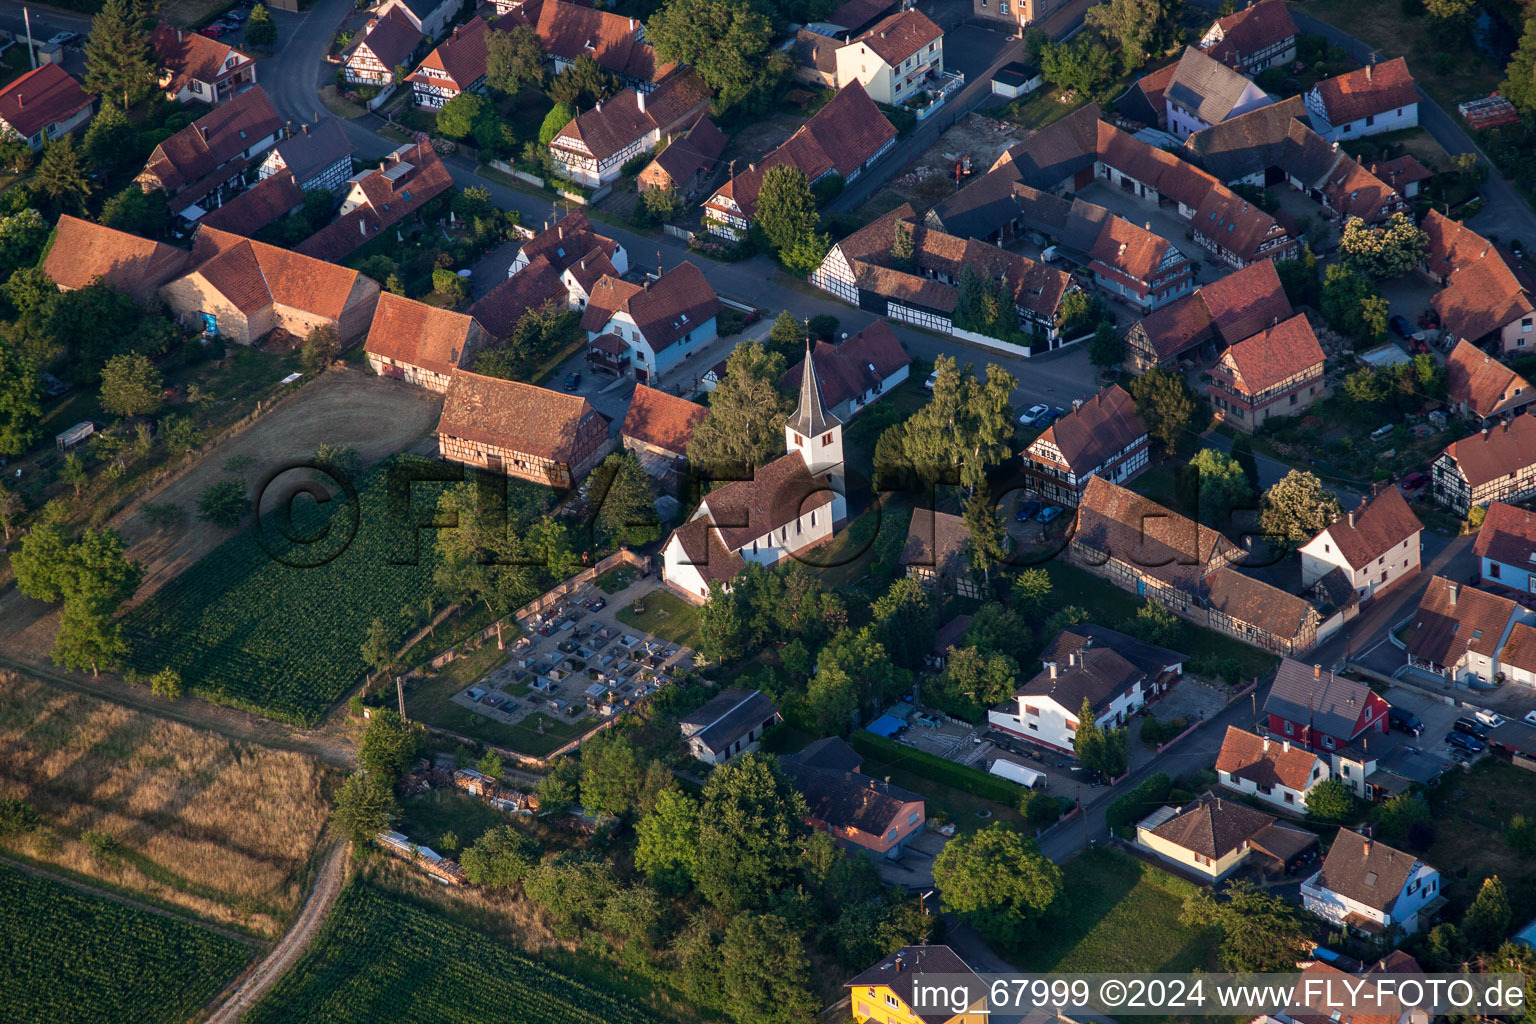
[(110, 141), (903, 622), (1298, 508), (1331, 801), (22, 237), (729, 44), (749, 833), (1083, 65), (93, 577), (1155, 624), (130, 386), (787, 336), (667, 847), (514, 60), (21, 409), (1343, 292), (321, 348), (1219, 483), (1486, 924), (449, 285), (12, 507), (259, 27), (119, 61), (902, 253), (997, 880), (560, 115), (490, 763), (62, 176), (166, 683), (745, 425), (661, 204), (610, 773), (1396, 816), (988, 541), (500, 859), (457, 118), (1032, 590), (389, 745), (965, 429), (365, 805), (1106, 349), (626, 509), (73, 472), (1242, 454), (1386, 252), (1260, 932), (1164, 402), (337, 460), (582, 84), (223, 504), (806, 255), (1519, 85), (1131, 23), (1374, 314), (765, 973), (786, 210), (1299, 278), (378, 647), (135, 211)]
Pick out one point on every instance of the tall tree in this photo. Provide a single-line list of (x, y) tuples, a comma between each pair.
[(786, 210), (903, 622), (1106, 349), (62, 176), (729, 43), (21, 409), (135, 211), (988, 541), (765, 973), (745, 425), (1519, 84), (1131, 23), (389, 744), (93, 577), (1384, 252), (365, 805), (259, 27), (1487, 922), (965, 429), (749, 833), (12, 508), (667, 847), (110, 141), (626, 509), (130, 385), (998, 880), (1298, 508), (610, 773), (1215, 484), (1260, 932), (500, 859), (119, 61), (582, 84), (514, 60), (1164, 401)]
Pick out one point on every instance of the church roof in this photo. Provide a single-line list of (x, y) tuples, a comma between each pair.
[(811, 417)]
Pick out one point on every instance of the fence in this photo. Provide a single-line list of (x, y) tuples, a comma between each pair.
[(677, 232), (523, 176), (549, 598)]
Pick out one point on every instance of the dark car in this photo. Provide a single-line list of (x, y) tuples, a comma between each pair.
[(1400, 326), (1461, 741), (1405, 720), (1471, 727), (572, 381), (1051, 416), (1413, 481), (1027, 511)]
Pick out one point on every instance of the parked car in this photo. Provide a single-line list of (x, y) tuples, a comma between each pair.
[(572, 381), (1530, 718), (1461, 741), (236, 14), (1050, 512), (1027, 511), (63, 38), (933, 378), (1413, 481), (1051, 416), (1400, 326), (213, 31), (1031, 417), (1471, 727), (1405, 720)]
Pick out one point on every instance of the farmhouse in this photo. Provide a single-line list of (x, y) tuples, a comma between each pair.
[(731, 723), (1219, 314), (1259, 36), (1270, 770), (860, 812), (657, 324), (1203, 92), (1374, 546), (1488, 291), (1212, 837), (83, 252), (199, 166), (318, 156), (403, 183), (1459, 631), (1483, 389), (532, 433), (1102, 437), (244, 289), (421, 344), (1367, 886), (856, 371), (456, 66), (1277, 372), (1376, 98), (688, 162), (269, 200), (568, 241), (197, 69), (1496, 464), (387, 43), (935, 553), (594, 146), (617, 43), (42, 105), (535, 287)]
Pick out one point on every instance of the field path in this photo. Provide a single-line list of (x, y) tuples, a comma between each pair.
[(232, 1003)]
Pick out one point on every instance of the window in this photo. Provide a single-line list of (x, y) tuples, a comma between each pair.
[(1002, 6), (1525, 325), (813, 517), (1202, 859), (1328, 742), (912, 818), (1290, 729), (826, 439), (891, 1000), (1493, 570), (1370, 119), (1290, 798), (1030, 709)]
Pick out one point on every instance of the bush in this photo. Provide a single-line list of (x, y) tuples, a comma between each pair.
[(1138, 803), (931, 766), (223, 504)]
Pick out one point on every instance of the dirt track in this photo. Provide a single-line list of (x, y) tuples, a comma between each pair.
[(232, 1003)]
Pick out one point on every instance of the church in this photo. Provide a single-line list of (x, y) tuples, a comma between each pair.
[(790, 505)]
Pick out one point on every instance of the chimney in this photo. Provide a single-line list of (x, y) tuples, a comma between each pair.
[(203, 130), (1317, 671), (178, 35), (1351, 519), (1077, 403), (559, 231), (1285, 746), (1453, 588), (1071, 659), (1368, 72), (456, 31), (640, 101), (1050, 667), (362, 228), (304, 128), (21, 101)]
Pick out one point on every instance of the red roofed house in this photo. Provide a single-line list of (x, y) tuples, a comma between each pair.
[(843, 137), (1277, 372), (788, 506), (243, 289), (532, 288), (1459, 631), (269, 200), (688, 161), (658, 323), (1271, 770), (657, 429), (1488, 291), (199, 166), (1102, 437), (42, 105), (387, 42), (421, 344), (859, 811), (857, 370), (1376, 98), (1506, 548), (317, 156), (1405, 174), (1497, 464), (594, 146), (457, 65), (1375, 546), (1219, 314), (617, 43), (403, 182), (568, 241), (83, 252), (1259, 36), (896, 59), (198, 69), (430, 17), (1320, 710), (1483, 389), (532, 433), (1212, 837)]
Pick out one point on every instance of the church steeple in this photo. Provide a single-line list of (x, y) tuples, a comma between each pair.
[(813, 431)]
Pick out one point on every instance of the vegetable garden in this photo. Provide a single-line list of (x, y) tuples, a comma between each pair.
[(72, 957), (380, 958)]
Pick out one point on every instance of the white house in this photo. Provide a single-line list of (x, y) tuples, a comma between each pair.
[(656, 325), (1506, 548), (568, 241), (1212, 837), (788, 506), (1204, 92), (731, 723), (1376, 98), (42, 105), (1375, 545), (593, 147), (1271, 770), (895, 58), (1460, 631), (857, 370), (429, 17), (1368, 886)]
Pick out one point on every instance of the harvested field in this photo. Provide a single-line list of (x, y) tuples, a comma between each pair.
[(192, 819)]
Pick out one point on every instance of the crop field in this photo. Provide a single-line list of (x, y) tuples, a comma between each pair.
[(75, 958), (273, 625), (380, 958), (169, 813)]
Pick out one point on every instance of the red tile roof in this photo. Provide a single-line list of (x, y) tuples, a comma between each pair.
[(1508, 535), (252, 274), (1483, 384), (392, 39), (567, 241), (1154, 85), (1272, 356), (1497, 451), (856, 365), (82, 251), (461, 56), (1453, 618), (391, 197), (625, 119), (665, 311), (1259, 604), (1213, 826), (1230, 308), (1399, 173), (193, 57), (1233, 223), (569, 31), (269, 200), (41, 97), (1482, 294), (695, 153), (1376, 527), (1131, 250), (534, 287), (416, 334), (1369, 90), (660, 419), (1087, 436), (903, 34), (212, 143), (534, 420), (1254, 28), (1264, 762), (1520, 649), (1140, 532)]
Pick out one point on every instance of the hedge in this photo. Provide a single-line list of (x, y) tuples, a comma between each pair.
[(931, 766), (1136, 804)]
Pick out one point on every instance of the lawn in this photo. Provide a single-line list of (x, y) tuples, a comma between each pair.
[(666, 616), (1471, 810), (943, 802), (430, 700), (427, 817), (1043, 107), (1116, 904)]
